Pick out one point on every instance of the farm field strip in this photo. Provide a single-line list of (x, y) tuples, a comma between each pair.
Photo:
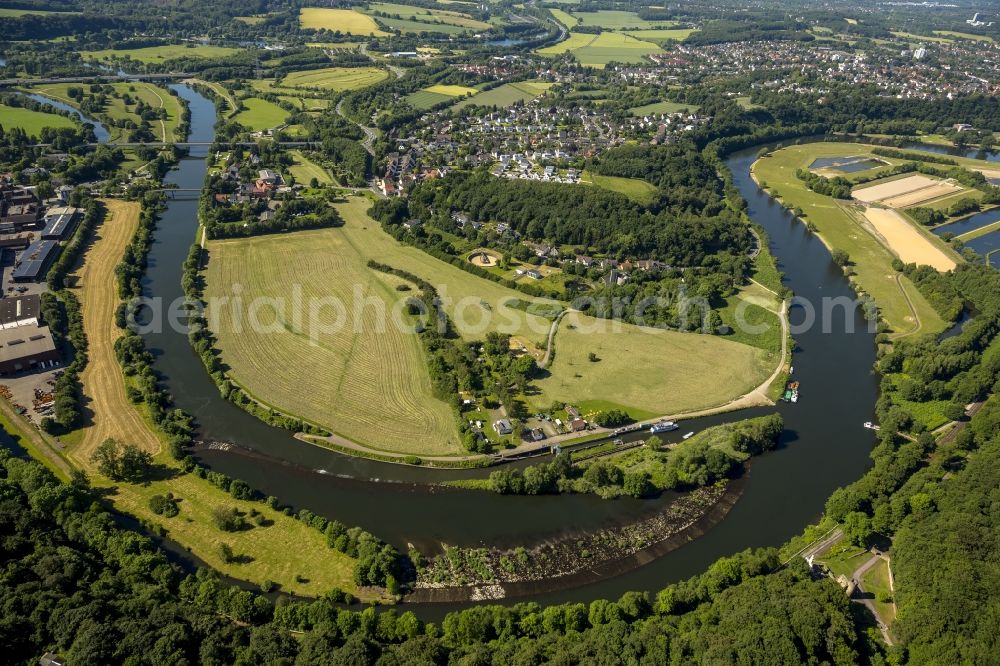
[(259, 114), (156, 54), (335, 78), (346, 21), (102, 380), (428, 15), (906, 241), (598, 50), (505, 95)]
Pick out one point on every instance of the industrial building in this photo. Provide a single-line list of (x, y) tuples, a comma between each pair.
[(35, 261), (26, 348), (59, 222)]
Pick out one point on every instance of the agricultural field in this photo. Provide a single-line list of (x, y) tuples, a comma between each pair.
[(507, 94), (346, 21), (907, 242), (682, 362), (259, 114), (842, 226), (158, 54), (598, 50), (431, 96), (611, 19), (304, 170), (30, 121), (565, 18), (909, 36), (661, 35), (413, 27), (664, 107), (335, 78), (428, 15), (365, 382), (633, 188)]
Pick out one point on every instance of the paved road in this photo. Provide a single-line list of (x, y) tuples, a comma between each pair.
[(867, 602), (369, 132)]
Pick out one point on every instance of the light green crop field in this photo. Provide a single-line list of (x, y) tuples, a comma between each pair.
[(663, 107), (7, 12), (31, 122), (451, 90), (633, 188), (152, 54), (909, 36), (346, 21), (661, 35), (567, 19), (611, 19), (598, 50), (367, 382), (841, 228), (336, 78), (964, 35), (414, 27), (304, 169), (663, 372), (505, 95), (260, 114), (428, 15), (425, 99)]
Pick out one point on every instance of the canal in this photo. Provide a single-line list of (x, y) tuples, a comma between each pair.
[(824, 445)]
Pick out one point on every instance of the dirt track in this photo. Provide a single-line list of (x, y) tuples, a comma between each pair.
[(111, 414)]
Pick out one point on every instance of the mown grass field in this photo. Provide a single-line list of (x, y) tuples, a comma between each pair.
[(506, 95), (964, 35), (425, 99), (428, 15), (304, 170), (598, 50), (414, 27), (366, 382), (259, 114), (663, 107), (839, 228), (156, 54), (660, 35), (611, 19), (30, 121), (662, 372), (633, 188), (280, 551), (346, 21), (336, 78)]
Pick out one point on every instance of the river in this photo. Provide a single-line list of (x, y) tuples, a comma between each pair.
[(100, 131), (824, 445)]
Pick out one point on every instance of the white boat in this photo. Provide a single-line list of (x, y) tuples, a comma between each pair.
[(795, 397), (871, 426), (690, 434), (663, 426)]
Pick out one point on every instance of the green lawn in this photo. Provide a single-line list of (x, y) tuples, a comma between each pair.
[(634, 188), (672, 374), (412, 27), (259, 114), (876, 582), (611, 19), (568, 20), (428, 15), (425, 99), (664, 107), (157, 54), (843, 558), (7, 12), (840, 228), (31, 122), (663, 35), (304, 170)]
